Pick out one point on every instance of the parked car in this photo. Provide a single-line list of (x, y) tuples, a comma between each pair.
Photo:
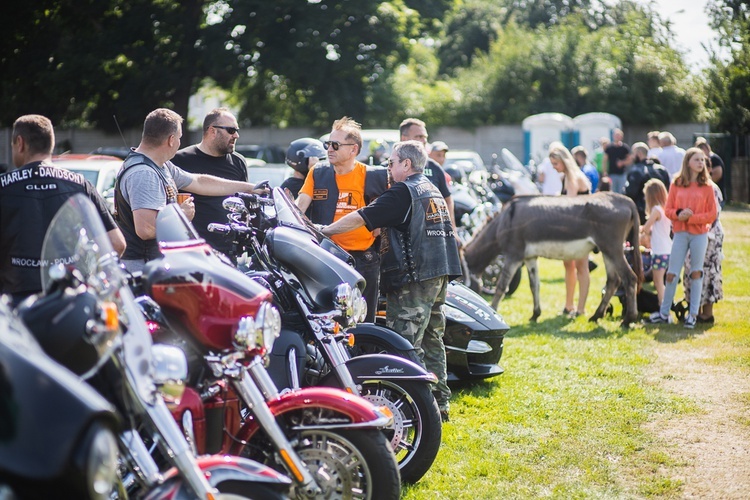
[(99, 170), (119, 152), (267, 153), (275, 174), (461, 156)]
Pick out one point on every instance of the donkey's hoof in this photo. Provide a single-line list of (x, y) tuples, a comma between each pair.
[(594, 319)]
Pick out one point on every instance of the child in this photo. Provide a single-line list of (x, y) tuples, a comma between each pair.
[(657, 229), (691, 207)]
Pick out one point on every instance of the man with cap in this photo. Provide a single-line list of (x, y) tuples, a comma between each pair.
[(437, 152)]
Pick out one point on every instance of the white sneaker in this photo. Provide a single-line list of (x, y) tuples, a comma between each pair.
[(658, 318), (690, 321)]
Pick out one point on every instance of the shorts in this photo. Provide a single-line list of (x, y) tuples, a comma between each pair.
[(659, 261)]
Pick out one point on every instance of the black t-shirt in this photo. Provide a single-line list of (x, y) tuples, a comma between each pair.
[(293, 184), (29, 198), (615, 153), (390, 209), (209, 209), (436, 174)]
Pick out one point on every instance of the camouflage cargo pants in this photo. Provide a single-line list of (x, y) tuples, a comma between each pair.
[(415, 312)]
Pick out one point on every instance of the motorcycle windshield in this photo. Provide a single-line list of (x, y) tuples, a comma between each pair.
[(76, 239), (512, 162), (172, 226), (287, 212)]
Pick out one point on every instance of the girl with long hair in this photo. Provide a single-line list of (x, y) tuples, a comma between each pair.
[(657, 228), (691, 206)]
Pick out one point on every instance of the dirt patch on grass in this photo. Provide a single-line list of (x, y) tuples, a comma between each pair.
[(713, 445)]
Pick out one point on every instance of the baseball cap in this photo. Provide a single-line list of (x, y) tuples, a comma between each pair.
[(438, 146)]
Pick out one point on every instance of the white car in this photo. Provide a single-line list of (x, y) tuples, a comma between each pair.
[(99, 170), (274, 173), (462, 157)]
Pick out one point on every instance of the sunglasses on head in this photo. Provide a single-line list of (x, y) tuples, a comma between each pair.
[(336, 144), (230, 130)]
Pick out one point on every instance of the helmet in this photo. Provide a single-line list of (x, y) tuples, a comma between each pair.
[(456, 174), (300, 150)]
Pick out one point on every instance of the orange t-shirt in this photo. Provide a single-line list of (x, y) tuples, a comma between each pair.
[(351, 198)]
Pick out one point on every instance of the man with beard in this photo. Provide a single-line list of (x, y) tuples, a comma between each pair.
[(214, 155), (148, 180)]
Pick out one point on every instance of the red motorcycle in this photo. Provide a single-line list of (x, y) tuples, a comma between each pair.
[(327, 440)]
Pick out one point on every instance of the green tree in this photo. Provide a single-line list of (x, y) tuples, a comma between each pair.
[(728, 82), (312, 62)]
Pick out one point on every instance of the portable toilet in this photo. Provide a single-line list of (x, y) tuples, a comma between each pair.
[(589, 128), (541, 130)]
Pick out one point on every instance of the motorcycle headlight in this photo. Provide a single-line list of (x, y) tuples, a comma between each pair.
[(359, 306), (100, 462), (261, 331), (170, 372), (342, 297), (456, 314)]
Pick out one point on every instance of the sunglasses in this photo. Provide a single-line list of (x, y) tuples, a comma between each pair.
[(230, 130), (336, 144), (392, 162)]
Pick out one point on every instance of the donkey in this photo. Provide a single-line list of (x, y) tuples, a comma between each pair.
[(564, 228)]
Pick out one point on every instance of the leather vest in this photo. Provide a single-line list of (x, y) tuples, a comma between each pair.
[(428, 248), (138, 249), (323, 206)]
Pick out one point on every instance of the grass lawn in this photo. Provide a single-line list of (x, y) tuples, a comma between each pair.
[(568, 418)]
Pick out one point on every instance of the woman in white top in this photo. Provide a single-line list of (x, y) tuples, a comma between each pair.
[(574, 183), (657, 229)]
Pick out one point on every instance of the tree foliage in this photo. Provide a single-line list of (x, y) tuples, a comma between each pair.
[(728, 87), (292, 62)]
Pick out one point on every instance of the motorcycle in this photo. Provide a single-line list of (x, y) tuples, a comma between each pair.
[(87, 320), (320, 297), (328, 440), (71, 452)]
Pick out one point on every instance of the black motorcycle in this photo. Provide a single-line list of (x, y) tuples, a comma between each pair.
[(310, 285), (70, 452)]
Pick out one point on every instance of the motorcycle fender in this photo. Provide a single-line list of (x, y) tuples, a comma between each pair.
[(349, 411), (383, 367), (364, 331), (218, 469)]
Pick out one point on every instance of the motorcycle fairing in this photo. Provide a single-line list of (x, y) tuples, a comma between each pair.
[(44, 411), (382, 367), (313, 266), (202, 293)]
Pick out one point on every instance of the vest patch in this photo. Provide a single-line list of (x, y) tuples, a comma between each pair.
[(320, 194)]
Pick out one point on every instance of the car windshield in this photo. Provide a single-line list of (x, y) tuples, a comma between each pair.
[(89, 175)]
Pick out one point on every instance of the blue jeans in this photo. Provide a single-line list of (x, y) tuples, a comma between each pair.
[(697, 244), (618, 183)]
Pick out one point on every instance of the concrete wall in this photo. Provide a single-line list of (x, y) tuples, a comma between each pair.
[(484, 140)]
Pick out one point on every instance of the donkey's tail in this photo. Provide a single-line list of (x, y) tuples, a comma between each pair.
[(635, 243)]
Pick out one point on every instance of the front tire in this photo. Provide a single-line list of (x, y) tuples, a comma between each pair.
[(346, 464), (417, 428)]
